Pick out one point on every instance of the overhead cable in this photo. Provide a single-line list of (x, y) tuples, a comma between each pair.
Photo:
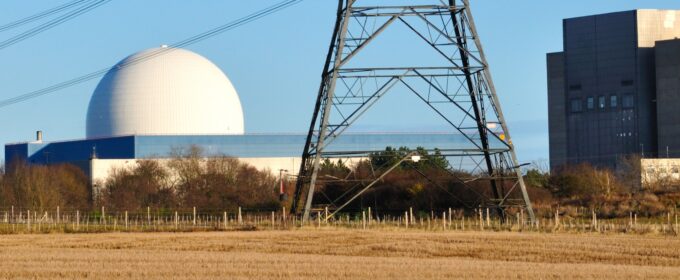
[(40, 15), (52, 23), (191, 40)]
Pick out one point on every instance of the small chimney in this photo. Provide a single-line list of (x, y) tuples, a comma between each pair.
[(38, 136)]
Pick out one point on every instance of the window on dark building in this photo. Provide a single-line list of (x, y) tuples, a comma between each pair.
[(628, 101), (590, 103), (575, 87), (613, 102), (601, 102), (626, 83), (575, 105)]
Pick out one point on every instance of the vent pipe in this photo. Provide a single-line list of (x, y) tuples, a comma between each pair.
[(38, 136)]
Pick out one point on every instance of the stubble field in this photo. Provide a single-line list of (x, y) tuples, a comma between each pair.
[(338, 254)]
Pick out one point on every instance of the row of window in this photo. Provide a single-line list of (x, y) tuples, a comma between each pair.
[(624, 83), (576, 104)]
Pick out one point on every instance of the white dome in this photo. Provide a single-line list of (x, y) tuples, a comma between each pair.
[(175, 93)]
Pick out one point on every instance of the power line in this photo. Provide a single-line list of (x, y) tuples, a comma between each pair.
[(40, 15), (191, 40), (52, 23)]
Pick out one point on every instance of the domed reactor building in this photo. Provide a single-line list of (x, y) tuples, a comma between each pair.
[(161, 101), (176, 93)]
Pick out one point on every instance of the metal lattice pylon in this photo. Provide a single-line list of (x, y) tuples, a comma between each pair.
[(458, 88)]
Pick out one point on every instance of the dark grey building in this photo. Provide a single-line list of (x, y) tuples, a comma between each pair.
[(602, 89), (667, 55)]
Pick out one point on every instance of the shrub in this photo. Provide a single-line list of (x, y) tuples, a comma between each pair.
[(45, 187)]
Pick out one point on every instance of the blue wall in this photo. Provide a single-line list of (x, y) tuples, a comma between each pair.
[(243, 146), (70, 151)]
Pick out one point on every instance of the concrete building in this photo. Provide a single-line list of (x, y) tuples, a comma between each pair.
[(659, 173), (99, 157), (161, 100), (603, 87), (667, 61)]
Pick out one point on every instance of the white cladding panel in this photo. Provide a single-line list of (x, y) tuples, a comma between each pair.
[(174, 93), (102, 169)]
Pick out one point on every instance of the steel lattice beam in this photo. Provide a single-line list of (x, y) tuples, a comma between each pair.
[(458, 89)]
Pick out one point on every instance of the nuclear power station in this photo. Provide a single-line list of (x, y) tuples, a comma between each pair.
[(159, 101)]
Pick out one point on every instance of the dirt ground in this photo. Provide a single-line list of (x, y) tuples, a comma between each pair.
[(338, 254)]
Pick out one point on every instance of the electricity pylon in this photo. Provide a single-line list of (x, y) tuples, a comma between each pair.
[(457, 86)]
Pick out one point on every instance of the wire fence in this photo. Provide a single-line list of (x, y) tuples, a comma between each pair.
[(13, 220)]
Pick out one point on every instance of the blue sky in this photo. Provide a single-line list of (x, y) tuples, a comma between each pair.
[(274, 63)]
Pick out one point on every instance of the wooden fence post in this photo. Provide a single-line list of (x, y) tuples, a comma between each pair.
[(406, 219), (325, 211), (370, 216), (444, 220), (194, 220), (481, 219), (450, 218)]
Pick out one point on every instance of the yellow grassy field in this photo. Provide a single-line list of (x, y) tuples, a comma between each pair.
[(337, 254)]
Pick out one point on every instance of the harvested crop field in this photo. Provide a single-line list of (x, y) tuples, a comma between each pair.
[(338, 254)]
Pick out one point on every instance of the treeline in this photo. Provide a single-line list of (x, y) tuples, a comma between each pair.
[(610, 192), (183, 182), (190, 180), (221, 183), (44, 187), (430, 185), (426, 185)]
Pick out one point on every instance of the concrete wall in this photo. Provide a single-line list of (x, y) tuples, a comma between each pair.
[(556, 114), (101, 169), (668, 97), (657, 25), (658, 172)]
